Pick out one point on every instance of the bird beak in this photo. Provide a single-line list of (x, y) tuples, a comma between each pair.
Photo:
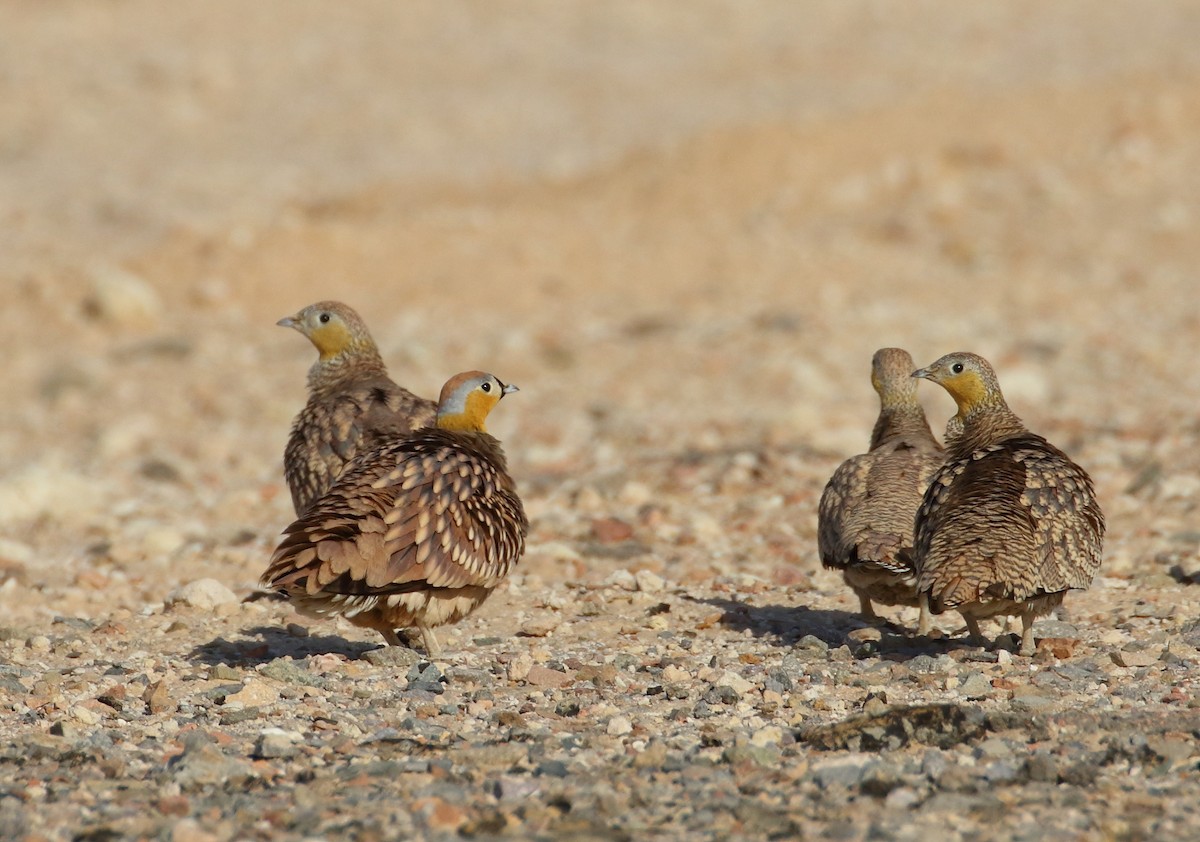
[(288, 321), (508, 389), (926, 372)]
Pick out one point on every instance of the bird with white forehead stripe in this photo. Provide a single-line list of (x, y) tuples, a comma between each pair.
[(417, 532)]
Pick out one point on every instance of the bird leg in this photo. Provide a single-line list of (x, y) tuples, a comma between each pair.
[(867, 610), (392, 638), (973, 629), (1027, 644), (924, 622), (432, 647)]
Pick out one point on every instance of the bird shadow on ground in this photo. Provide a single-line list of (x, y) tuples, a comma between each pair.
[(266, 643), (791, 623)]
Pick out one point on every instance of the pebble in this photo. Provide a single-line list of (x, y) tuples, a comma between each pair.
[(1136, 655), (520, 666), (619, 726), (848, 770), (84, 715), (392, 656), (539, 676), (621, 579), (975, 686), (253, 694), (205, 594), (273, 743), (735, 682), (649, 582), (902, 798), (540, 626), (123, 299), (190, 830), (16, 551)]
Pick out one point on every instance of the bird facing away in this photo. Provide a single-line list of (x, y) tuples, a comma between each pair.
[(417, 532), (350, 399), (1009, 524), (865, 518)]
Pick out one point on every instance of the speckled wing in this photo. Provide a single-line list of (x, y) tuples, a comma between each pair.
[(1070, 524), (1015, 520), (844, 491), (435, 510), (866, 512), (329, 432)]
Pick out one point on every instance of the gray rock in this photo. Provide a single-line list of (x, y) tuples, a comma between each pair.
[(934, 763), (1004, 771), (392, 656), (993, 748), (287, 670), (1033, 703), (976, 686), (1041, 767), (847, 771), (758, 755), (812, 643), (203, 765), (277, 743)]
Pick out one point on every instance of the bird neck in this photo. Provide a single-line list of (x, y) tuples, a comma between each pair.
[(980, 425), (354, 360), (899, 420)]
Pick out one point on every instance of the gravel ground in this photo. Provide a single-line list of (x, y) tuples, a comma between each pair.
[(687, 279)]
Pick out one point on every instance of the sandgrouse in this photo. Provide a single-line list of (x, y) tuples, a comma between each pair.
[(1009, 524), (417, 532), (865, 518), (350, 399)]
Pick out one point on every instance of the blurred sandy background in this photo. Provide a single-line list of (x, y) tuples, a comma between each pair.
[(682, 228)]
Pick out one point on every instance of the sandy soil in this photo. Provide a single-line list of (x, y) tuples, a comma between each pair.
[(681, 229)]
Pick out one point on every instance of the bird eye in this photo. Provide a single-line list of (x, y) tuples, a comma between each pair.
[(324, 318), (957, 368), (486, 386)]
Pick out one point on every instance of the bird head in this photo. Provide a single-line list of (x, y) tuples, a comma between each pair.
[(467, 399), (890, 370), (968, 378), (332, 327)]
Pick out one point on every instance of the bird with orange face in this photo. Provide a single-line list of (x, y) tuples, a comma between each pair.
[(417, 532)]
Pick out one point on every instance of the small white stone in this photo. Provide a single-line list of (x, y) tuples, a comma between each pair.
[(706, 527), (635, 494), (163, 541), (15, 551), (123, 298), (901, 798), (558, 551), (673, 674), (771, 735), (619, 726), (1180, 487), (519, 667), (731, 679), (85, 716), (622, 579), (202, 593), (648, 581)]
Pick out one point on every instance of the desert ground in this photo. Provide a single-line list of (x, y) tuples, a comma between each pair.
[(682, 229)]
